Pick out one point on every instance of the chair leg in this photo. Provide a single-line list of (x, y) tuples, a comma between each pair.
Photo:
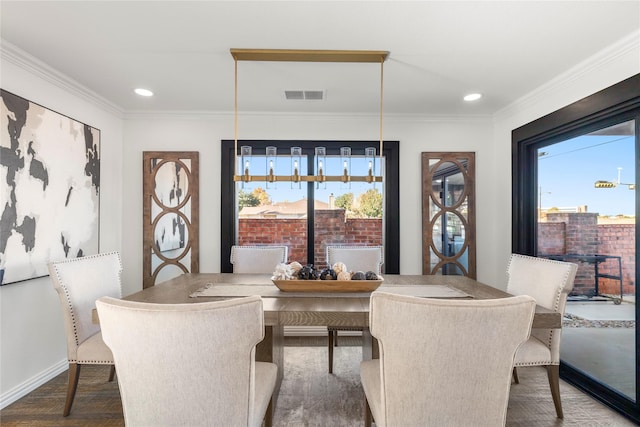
[(330, 344), (368, 417), (515, 375), (268, 416), (74, 374), (553, 373), (112, 372), (335, 338)]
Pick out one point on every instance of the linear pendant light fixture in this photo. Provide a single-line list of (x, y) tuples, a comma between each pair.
[(373, 56)]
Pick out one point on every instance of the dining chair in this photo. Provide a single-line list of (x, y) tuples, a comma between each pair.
[(79, 282), (356, 258), (442, 362), (549, 283), (190, 364), (257, 259)]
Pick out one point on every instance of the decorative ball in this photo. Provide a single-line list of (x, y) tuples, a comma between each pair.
[(344, 275), (295, 267), (358, 275), (371, 275), (308, 273), (328, 274), (339, 267)]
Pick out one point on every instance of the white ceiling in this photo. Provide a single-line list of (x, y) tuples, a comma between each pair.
[(439, 50)]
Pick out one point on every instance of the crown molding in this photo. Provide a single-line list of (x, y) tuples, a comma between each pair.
[(629, 45), (32, 65), (227, 115)]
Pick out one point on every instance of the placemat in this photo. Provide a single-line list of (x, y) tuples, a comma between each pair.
[(271, 291)]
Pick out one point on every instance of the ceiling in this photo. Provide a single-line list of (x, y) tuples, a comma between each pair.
[(439, 50)]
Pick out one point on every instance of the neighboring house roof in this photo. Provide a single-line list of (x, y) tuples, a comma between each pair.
[(291, 209)]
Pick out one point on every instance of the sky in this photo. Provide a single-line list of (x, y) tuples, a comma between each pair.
[(569, 169)]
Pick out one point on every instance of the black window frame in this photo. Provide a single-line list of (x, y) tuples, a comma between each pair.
[(391, 154), (615, 104)]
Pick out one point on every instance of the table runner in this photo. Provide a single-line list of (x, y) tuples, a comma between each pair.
[(271, 291)]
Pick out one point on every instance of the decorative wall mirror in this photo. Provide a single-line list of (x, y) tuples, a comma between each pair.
[(170, 212), (448, 214)]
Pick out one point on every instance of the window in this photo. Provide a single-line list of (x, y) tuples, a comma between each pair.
[(307, 216)]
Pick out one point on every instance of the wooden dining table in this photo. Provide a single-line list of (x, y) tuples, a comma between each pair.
[(317, 309)]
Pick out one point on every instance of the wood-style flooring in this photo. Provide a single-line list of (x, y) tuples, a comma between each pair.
[(309, 396)]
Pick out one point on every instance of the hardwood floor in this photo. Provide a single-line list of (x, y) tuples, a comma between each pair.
[(309, 396)]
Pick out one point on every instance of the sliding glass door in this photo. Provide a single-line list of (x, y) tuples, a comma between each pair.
[(586, 215), (575, 198)]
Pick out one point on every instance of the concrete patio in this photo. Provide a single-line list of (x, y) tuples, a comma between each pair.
[(599, 339)]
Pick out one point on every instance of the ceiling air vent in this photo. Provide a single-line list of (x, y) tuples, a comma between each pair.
[(304, 95)]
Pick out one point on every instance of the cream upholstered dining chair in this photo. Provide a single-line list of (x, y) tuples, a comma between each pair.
[(549, 283), (257, 259), (442, 362), (79, 282), (356, 258), (189, 364)]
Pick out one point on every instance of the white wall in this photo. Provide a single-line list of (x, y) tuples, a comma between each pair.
[(32, 340), (33, 344), (203, 134)]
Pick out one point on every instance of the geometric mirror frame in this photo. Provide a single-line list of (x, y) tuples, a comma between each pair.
[(448, 214), (170, 215)]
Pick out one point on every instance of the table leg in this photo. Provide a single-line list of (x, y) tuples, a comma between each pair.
[(369, 346)]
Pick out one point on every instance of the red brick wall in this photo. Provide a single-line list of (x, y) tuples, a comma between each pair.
[(552, 238), (291, 232), (331, 227), (579, 233), (619, 240)]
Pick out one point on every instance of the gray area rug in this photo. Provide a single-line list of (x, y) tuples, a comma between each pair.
[(310, 396)]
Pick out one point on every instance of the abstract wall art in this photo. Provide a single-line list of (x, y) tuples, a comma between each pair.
[(49, 188)]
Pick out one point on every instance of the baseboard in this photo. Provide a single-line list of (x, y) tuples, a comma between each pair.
[(32, 383), (313, 331)]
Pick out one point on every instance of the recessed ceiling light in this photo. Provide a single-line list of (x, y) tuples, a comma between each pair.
[(473, 97), (143, 92)]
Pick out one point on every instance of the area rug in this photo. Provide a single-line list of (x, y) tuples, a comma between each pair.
[(310, 396)]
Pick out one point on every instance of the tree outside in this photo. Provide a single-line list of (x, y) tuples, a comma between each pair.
[(344, 201), (262, 195), (370, 204), (367, 205), (247, 199)]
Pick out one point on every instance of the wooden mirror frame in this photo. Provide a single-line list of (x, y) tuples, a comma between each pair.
[(466, 164), (190, 217)]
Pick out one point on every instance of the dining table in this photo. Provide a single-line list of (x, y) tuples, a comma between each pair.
[(346, 309)]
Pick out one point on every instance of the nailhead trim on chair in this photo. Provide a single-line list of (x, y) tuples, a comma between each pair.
[(66, 291), (558, 295)]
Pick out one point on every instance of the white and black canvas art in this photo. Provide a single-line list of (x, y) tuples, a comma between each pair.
[(49, 189)]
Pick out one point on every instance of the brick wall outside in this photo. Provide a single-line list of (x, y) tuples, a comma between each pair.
[(620, 240), (290, 232), (579, 233), (331, 228)]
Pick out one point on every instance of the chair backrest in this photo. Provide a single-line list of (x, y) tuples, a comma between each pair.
[(184, 364), (257, 259), (549, 282), (357, 258), (79, 283), (447, 362)]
